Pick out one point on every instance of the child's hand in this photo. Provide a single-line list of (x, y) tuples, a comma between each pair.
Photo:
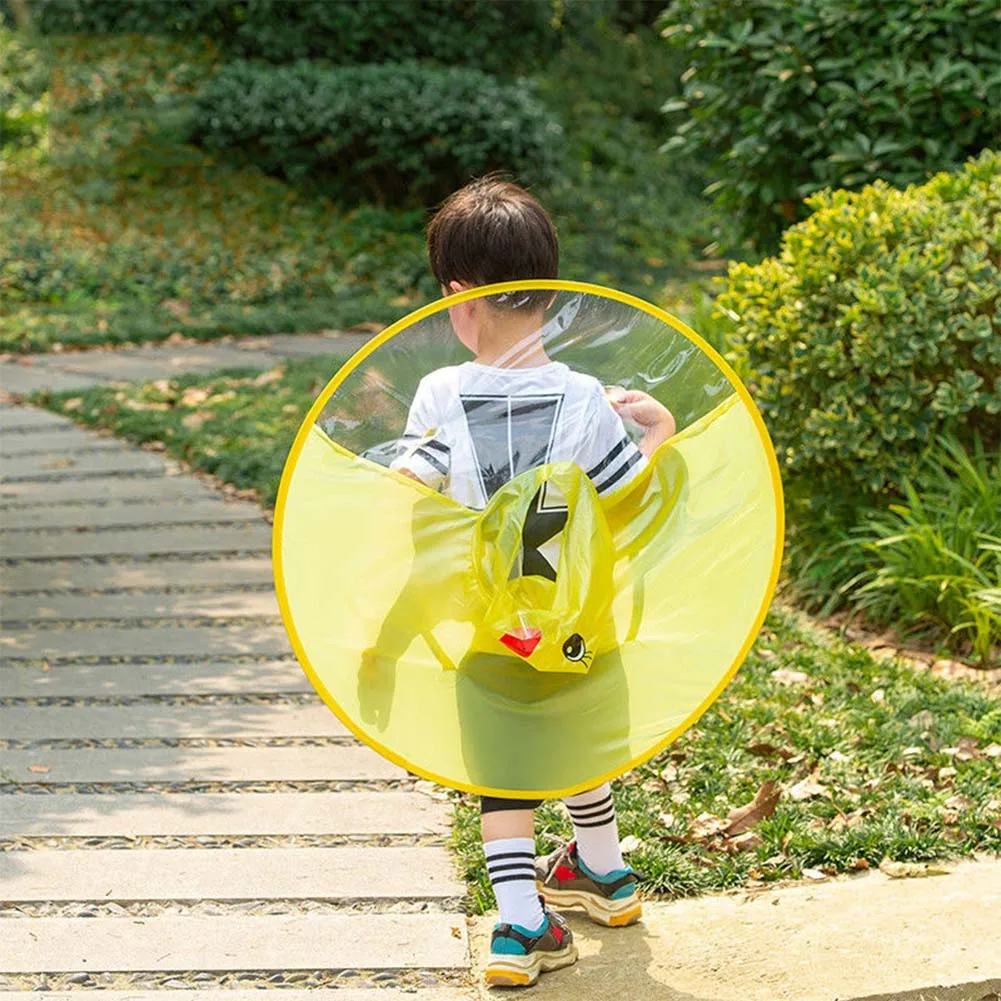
[(376, 684), (646, 412)]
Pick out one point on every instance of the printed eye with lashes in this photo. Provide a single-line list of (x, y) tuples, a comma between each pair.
[(574, 648)]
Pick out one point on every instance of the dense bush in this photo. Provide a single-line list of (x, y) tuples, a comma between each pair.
[(390, 132), (24, 98), (492, 35), (792, 97), (877, 328)]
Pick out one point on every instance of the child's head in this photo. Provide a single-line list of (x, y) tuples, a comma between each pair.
[(492, 231)]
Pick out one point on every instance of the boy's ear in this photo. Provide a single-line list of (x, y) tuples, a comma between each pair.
[(454, 287)]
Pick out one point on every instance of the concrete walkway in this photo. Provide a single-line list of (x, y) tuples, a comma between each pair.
[(177, 807), (22, 374), (179, 811)]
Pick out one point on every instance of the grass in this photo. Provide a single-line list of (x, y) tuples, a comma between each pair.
[(928, 564), (875, 760), (114, 231)]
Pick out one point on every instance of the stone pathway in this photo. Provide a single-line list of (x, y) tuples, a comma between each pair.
[(22, 374), (178, 810)]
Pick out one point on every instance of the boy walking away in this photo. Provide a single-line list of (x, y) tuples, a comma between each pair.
[(475, 426)]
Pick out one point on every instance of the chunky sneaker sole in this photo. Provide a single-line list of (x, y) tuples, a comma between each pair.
[(523, 971), (518, 956), (564, 881), (610, 913)]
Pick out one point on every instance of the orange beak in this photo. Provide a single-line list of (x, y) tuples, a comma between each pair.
[(523, 642)]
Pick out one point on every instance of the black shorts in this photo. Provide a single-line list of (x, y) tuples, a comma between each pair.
[(494, 804)]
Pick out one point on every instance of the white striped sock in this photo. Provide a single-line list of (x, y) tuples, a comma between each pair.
[(595, 829), (511, 864)]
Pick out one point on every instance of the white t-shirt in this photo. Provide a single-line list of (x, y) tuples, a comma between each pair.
[(473, 427)]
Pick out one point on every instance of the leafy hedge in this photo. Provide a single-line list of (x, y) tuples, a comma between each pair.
[(789, 98), (492, 35), (878, 328), (390, 132)]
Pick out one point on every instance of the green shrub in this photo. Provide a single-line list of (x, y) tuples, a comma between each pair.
[(929, 564), (24, 98), (493, 35), (788, 98), (393, 132), (876, 329)]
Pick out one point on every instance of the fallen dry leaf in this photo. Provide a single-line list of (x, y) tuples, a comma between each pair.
[(192, 421), (743, 818), (456, 932), (992, 751), (272, 375), (860, 865), (910, 870), (966, 749), (765, 750), (705, 826), (73, 404), (630, 843), (669, 773), (745, 842), (786, 677), (923, 720), (39, 769), (808, 788), (652, 785), (667, 819), (878, 696), (814, 874), (845, 821), (194, 395), (959, 803)]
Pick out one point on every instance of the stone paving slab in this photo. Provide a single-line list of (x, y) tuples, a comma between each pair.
[(354, 872), (17, 419), (211, 604), (64, 441), (58, 575), (310, 345), (67, 464), (23, 379), (162, 641), (247, 814), (847, 938), (233, 994), (150, 720), (75, 680), (136, 541), (198, 764), (146, 364), (29, 493), (127, 515), (279, 942)]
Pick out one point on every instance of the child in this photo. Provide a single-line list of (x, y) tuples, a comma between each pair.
[(473, 427)]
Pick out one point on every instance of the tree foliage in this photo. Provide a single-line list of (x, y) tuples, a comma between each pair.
[(791, 96)]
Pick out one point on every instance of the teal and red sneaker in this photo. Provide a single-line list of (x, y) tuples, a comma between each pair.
[(518, 955), (564, 881)]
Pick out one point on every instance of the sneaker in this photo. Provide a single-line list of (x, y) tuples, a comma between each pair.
[(564, 881), (518, 955)]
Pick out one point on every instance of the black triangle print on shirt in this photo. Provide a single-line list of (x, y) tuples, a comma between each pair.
[(509, 435)]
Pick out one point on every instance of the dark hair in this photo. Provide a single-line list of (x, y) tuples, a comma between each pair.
[(493, 231)]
